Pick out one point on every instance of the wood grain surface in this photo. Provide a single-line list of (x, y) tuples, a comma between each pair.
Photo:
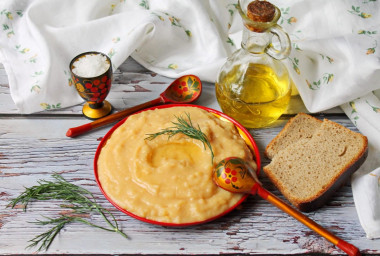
[(32, 147)]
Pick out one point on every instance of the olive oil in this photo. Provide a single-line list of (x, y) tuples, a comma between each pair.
[(253, 85), (253, 94)]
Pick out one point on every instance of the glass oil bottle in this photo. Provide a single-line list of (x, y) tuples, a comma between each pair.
[(253, 86)]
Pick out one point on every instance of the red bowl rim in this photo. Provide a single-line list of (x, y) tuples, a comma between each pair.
[(109, 133)]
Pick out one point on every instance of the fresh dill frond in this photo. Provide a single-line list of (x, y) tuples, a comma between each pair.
[(47, 237), (187, 128), (79, 200)]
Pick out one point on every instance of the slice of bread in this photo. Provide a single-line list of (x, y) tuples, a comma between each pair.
[(307, 172), (299, 127)]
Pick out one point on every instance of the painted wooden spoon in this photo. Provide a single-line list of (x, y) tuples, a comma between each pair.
[(235, 175), (185, 89)]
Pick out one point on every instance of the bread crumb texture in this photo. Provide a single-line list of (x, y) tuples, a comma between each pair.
[(299, 127), (311, 163)]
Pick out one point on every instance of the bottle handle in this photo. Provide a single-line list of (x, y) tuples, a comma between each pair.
[(284, 40)]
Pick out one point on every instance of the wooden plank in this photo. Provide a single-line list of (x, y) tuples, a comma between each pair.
[(34, 148)]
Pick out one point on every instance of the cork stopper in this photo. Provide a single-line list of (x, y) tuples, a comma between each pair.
[(260, 11)]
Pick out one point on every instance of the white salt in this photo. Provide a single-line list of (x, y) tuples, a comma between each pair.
[(91, 65)]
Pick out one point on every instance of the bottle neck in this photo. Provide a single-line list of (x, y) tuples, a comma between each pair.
[(256, 42)]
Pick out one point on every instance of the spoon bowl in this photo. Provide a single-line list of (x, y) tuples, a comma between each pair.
[(184, 90), (235, 175), (232, 174)]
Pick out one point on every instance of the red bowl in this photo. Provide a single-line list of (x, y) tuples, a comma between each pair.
[(242, 131)]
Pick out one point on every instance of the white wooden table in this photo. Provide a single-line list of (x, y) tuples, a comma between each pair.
[(33, 147)]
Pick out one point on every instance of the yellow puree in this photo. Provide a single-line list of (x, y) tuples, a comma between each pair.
[(169, 180)]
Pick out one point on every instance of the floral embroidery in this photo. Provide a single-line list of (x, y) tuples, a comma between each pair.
[(69, 79), (173, 66), (356, 10), (292, 20), (229, 40), (374, 108), (295, 63), (371, 50), (314, 86), (159, 16), (296, 36), (145, 4), (231, 9), (327, 78), (8, 28), (33, 59), (329, 59), (113, 6), (174, 21), (366, 32), (35, 88), (47, 106), (111, 53), (285, 17), (354, 113), (10, 32), (296, 47), (369, 34), (22, 50), (39, 73)]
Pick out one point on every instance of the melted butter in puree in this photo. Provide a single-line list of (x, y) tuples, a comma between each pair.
[(168, 180), (186, 153)]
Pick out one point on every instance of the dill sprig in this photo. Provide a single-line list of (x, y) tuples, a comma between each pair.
[(79, 200), (187, 128)]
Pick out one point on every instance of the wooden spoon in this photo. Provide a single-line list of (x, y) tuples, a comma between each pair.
[(234, 175), (185, 89)]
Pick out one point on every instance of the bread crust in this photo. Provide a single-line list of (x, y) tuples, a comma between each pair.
[(319, 199), (323, 198)]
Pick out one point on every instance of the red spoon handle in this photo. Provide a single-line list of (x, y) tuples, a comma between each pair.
[(75, 131), (265, 194)]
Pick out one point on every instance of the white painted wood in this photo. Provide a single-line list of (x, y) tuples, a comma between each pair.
[(35, 146), (32, 149)]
